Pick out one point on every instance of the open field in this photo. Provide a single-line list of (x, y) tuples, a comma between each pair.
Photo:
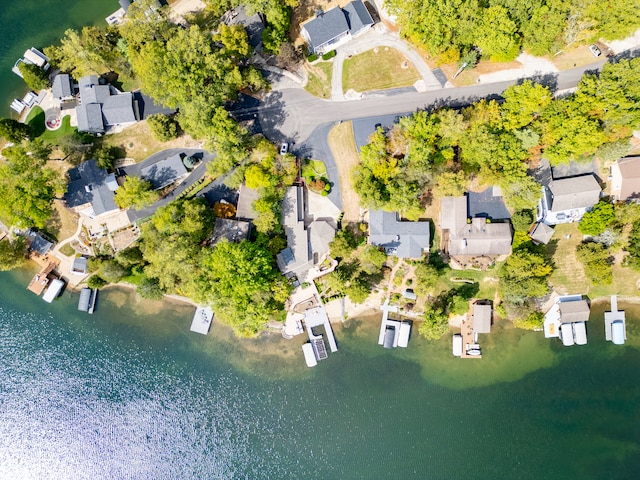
[(319, 83), (378, 69), (343, 148)]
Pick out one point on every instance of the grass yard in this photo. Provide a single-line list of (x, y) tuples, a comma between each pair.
[(470, 77), (343, 147), (35, 120), (314, 168), (378, 69), (138, 143), (319, 83)]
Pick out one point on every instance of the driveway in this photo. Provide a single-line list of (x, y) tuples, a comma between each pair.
[(194, 176)]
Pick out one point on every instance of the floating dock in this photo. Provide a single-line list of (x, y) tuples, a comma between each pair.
[(309, 355), (202, 320), (92, 301), (33, 56), (470, 346), (53, 291), (615, 323)]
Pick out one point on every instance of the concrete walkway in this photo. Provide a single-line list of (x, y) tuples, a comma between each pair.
[(379, 36)]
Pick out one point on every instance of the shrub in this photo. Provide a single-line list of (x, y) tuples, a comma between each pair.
[(163, 127), (150, 288), (329, 55), (312, 58), (96, 281)]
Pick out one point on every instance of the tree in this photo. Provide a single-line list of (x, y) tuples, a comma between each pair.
[(435, 324), (523, 276), (497, 34), (371, 260), (150, 288), (523, 104), (13, 253), (163, 127), (27, 189), (34, 76), (106, 156), (522, 220), (598, 219), (112, 271), (13, 130), (596, 261), (256, 177), (96, 281), (241, 282), (426, 278), (343, 244), (135, 193)]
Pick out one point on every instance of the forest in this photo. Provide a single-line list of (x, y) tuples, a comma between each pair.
[(500, 29)]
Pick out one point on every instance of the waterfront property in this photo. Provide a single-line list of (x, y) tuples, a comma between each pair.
[(615, 324), (393, 333), (41, 279), (471, 237), (566, 200), (202, 319), (566, 319), (87, 300), (62, 88), (401, 238), (478, 320), (335, 27), (101, 106), (308, 238), (39, 246)]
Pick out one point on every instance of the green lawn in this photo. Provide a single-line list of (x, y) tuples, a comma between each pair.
[(319, 83), (36, 119), (378, 69), (314, 168)]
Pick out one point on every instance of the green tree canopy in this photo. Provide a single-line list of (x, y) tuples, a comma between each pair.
[(135, 193), (598, 219), (13, 130), (34, 76), (523, 276), (13, 253)]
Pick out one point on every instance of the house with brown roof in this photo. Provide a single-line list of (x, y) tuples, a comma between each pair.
[(566, 200), (472, 242), (625, 178)]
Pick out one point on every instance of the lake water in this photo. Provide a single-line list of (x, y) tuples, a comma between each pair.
[(130, 393), (39, 23)]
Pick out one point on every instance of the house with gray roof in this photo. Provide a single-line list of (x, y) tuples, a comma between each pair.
[(566, 200), (165, 171), (232, 230), (62, 88), (38, 243), (403, 239), (308, 239), (472, 241), (328, 30), (102, 106), (91, 190)]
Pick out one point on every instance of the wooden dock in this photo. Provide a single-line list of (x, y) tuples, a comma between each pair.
[(469, 345), (41, 279)]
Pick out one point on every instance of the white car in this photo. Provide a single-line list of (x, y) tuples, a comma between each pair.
[(284, 148), (595, 50)]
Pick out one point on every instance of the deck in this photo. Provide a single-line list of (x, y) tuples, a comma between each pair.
[(41, 279), (469, 339)]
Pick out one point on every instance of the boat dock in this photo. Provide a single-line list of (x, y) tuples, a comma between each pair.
[(393, 333), (202, 320), (87, 300), (615, 324), (41, 279), (470, 346), (53, 291), (32, 56)]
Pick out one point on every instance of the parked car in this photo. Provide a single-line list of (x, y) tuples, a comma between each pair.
[(284, 148), (595, 50)]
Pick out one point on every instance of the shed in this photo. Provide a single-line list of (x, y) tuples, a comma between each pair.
[(541, 233), (79, 266)]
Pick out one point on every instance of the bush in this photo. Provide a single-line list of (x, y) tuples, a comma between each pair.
[(163, 127), (150, 288), (329, 55), (96, 281), (324, 193), (312, 58), (534, 321)]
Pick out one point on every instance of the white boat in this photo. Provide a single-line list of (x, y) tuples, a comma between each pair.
[(309, 355), (617, 332), (17, 105), (405, 332), (457, 345), (53, 291), (580, 333), (566, 334)]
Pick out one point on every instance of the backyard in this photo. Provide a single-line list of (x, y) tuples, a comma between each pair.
[(378, 69), (35, 119)]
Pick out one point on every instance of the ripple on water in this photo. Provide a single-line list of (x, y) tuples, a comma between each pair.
[(74, 410)]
